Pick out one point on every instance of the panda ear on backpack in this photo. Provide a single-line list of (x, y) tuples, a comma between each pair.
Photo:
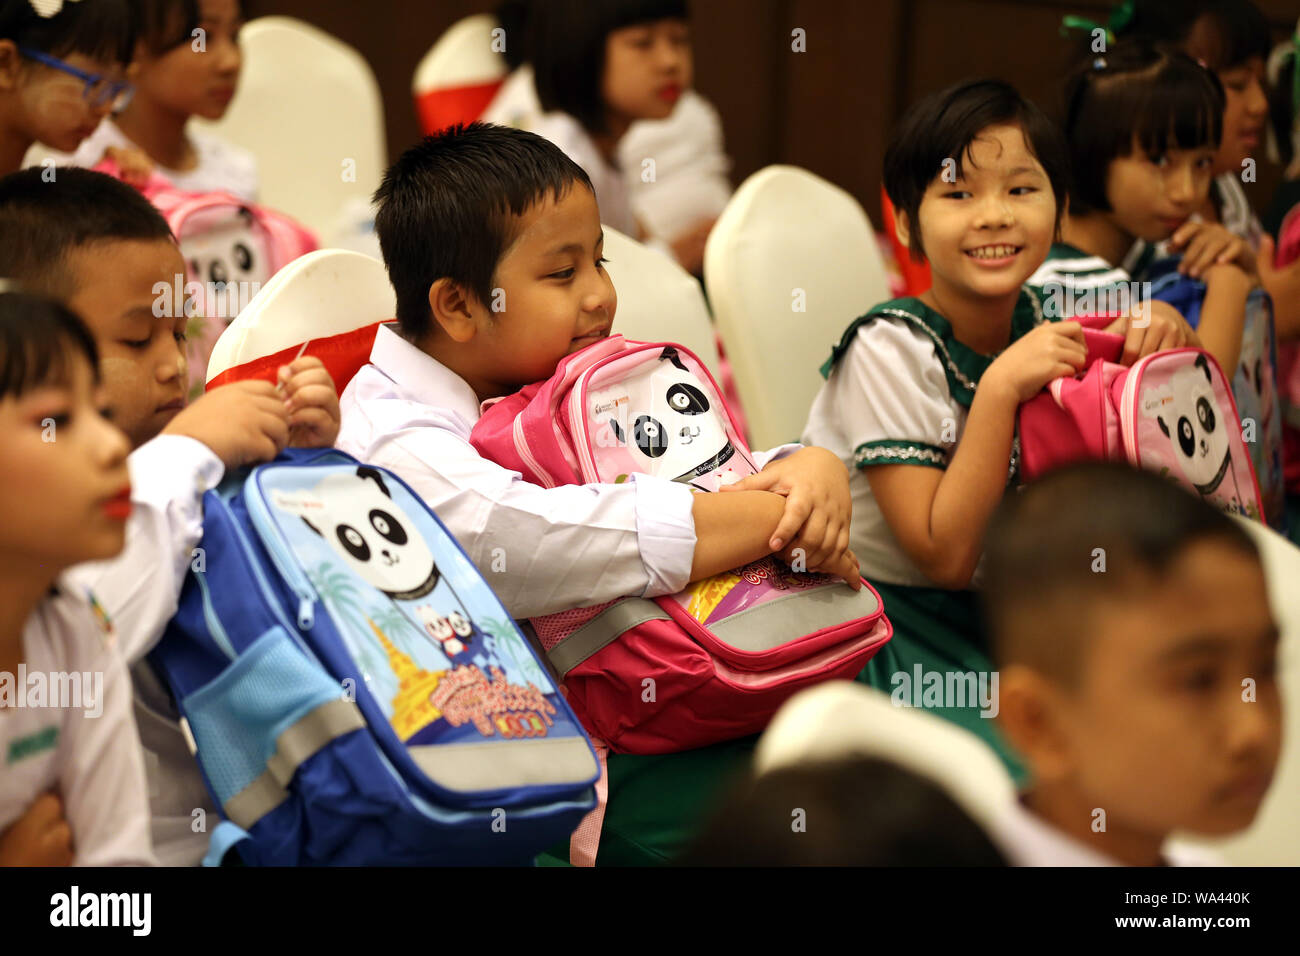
[(670, 354), (376, 477), (1204, 365), (1163, 427)]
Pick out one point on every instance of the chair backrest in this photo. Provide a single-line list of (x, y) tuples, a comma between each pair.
[(321, 294), (1274, 838), (457, 78), (791, 261), (658, 300), (309, 110), (844, 719)]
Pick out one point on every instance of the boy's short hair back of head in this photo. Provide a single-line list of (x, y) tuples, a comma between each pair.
[(942, 127), (447, 206), (43, 220), (857, 811), (1092, 532)]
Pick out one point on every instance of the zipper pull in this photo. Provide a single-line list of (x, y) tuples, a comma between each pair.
[(306, 613)]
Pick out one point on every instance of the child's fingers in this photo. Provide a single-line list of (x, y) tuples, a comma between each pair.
[(797, 509), (315, 396), (761, 481), (812, 540), (1068, 330), (1184, 233)]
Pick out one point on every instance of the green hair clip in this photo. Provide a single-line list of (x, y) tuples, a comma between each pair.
[(1120, 17)]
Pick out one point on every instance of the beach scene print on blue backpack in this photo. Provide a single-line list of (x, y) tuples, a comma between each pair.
[(434, 647)]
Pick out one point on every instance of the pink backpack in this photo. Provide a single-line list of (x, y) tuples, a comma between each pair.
[(231, 249), (716, 660), (1288, 360), (1171, 412)]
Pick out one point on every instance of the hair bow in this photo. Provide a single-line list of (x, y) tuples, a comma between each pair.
[(49, 8)]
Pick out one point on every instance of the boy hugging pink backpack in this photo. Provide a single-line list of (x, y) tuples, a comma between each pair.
[(714, 661)]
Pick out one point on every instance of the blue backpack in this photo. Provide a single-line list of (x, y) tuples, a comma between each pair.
[(1254, 381), (354, 691)]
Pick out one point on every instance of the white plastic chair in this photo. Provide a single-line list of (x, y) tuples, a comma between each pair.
[(309, 109), (843, 718), (1274, 838), (457, 78), (789, 264), (658, 300), (323, 293)]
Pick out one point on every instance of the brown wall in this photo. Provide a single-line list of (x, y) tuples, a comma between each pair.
[(828, 109)]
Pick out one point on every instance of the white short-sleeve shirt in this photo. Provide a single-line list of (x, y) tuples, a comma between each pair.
[(221, 166), (898, 391)]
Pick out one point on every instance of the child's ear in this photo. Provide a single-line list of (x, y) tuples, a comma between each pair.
[(1031, 715), (902, 227), (454, 309), (11, 64)]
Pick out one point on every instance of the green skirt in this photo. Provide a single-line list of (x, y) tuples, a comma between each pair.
[(940, 631), (658, 803)]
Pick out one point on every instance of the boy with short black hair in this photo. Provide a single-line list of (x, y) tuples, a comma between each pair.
[(1137, 655), (493, 242), (102, 248)]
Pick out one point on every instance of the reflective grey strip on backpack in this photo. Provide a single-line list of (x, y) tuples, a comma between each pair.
[(792, 614), (783, 618), (603, 629), (296, 744)]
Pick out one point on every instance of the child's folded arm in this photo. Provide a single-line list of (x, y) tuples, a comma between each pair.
[(139, 588), (1223, 314), (545, 550)]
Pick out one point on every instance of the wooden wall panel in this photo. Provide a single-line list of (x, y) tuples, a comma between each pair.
[(829, 109)]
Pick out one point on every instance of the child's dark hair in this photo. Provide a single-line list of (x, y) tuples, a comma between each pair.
[(1156, 96), (567, 45), (944, 125), (42, 222), (1043, 548), (104, 30), (166, 24), (1239, 29), (37, 335), (447, 209), (513, 17), (857, 811)]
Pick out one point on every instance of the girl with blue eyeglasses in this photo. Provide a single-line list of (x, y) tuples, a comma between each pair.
[(62, 70)]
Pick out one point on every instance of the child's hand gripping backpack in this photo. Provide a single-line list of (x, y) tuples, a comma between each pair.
[(231, 249), (1255, 386), (355, 692), (716, 660), (1171, 412)]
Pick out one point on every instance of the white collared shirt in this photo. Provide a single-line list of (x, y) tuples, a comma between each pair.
[(1026, 839), (75, 737), (139, 591), (542, 550)]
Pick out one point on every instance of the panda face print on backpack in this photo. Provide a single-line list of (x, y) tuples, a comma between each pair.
[(1197, 427), (670, 426), (357, 517), (225, 253)]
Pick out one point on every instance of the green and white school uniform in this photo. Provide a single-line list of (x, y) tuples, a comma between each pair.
[(899, 387), (1073, 282)]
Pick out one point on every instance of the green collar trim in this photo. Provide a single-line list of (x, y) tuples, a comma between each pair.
[(962, 365)]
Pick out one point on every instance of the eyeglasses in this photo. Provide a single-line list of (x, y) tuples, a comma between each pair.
[(99, 92)]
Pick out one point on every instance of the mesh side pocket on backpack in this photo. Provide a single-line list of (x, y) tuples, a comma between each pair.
[(236, 718)]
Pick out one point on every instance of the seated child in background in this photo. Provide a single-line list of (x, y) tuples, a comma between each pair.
[(1144, 690), (690, 187), (103, 248), (856, 811), (1141, 127), (977, 177), (492, 240), (44, 93), (187, 63), (72, 788)]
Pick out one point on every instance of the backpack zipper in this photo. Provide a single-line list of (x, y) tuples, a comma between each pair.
[(215, 627), (521, 446), (271, 537)]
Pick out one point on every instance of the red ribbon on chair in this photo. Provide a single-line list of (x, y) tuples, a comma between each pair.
[(342, 354), (449, 105)]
